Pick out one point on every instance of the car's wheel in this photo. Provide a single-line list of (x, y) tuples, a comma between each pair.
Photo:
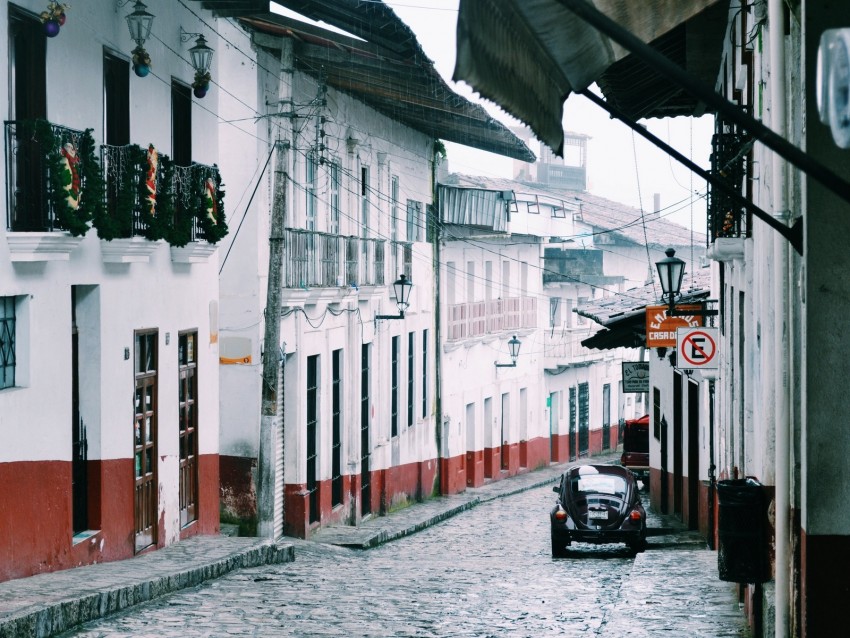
[(559, 545), (638, 545)]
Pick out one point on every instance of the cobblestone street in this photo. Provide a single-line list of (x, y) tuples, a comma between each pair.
[(485, 572)]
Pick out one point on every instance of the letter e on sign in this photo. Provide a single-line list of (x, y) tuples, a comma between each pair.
[(697, 348)]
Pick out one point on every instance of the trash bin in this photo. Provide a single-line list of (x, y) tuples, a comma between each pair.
[(742, 552)]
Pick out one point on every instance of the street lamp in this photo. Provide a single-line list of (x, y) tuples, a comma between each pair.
[(671, 269), (402, 288), (139, 22), (513, 349), (201, 55)]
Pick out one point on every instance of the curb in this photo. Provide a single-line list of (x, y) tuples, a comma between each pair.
[(41, 621)]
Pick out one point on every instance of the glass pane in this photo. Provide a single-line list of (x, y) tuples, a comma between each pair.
[(191, 443), (181, 392), (182, 448), (190, 390), (190, 348), (148, 460), (148, 433), (138, 402), (138, 436), (181, 350), (138, 354), (190, 415), (138, 464), (150, 349), (149, 398)]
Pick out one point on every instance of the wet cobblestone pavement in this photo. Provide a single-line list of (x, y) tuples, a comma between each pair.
[(485, 572)]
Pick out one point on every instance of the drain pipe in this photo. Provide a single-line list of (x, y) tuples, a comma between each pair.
[(776, 40)]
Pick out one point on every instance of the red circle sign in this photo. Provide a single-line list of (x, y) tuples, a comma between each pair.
[(698, 348)]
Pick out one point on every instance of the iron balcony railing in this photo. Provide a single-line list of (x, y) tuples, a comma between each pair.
[(186, 188), (322, 260), (478, 318), (729, 161), (28, 180)]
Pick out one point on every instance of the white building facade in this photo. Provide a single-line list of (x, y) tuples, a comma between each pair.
[(109, 407)]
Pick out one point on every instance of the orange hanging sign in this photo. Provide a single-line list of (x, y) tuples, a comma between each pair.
[(661, 329)]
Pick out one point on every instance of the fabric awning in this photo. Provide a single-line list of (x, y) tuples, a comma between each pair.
[(529, 55)]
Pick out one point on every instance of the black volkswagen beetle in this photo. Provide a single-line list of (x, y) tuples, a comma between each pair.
[(597, 504)]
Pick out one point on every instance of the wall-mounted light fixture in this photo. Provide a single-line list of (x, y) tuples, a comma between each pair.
[(402, 288), (201, 55), (139, 22), (513, 349)]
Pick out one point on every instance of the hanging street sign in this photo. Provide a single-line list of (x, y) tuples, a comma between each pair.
[(661, 329), (635, 376), (697, 349)]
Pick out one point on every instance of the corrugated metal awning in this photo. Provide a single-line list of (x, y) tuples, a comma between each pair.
[(474, 207), (530, 55)]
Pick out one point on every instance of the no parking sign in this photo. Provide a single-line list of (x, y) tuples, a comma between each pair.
[(697, 348)]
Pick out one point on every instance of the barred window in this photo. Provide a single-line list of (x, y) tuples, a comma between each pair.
[(7, 342)]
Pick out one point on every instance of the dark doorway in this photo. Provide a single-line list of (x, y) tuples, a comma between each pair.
[(693, 455), (678, 453), (79, 441), (336, 423), (572, 429), (606, 417), (583, 419), (312, 424), (365, 473), (28, 101), (181, 124)]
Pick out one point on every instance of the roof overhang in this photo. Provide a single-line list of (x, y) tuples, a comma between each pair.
[(530, 55), (386, 69)]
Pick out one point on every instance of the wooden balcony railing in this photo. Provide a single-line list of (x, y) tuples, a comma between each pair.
[(477, 318), (322, 260)]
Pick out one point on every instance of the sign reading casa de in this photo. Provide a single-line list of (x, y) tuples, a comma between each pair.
[(661, 329)]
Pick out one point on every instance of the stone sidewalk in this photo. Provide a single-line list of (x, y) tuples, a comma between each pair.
[(48, 604)]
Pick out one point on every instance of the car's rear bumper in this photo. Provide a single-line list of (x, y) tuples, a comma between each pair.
[(603, 536)]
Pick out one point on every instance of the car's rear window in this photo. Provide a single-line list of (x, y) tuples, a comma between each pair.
[(599, 483)]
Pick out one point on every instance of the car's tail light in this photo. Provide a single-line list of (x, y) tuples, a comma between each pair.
[(635, 515), (560, 515)]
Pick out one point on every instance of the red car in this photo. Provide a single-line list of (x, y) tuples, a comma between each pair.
[(636, 447), (597, 504)]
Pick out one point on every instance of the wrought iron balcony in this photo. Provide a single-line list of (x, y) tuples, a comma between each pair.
[(30, 184), (729, 160)]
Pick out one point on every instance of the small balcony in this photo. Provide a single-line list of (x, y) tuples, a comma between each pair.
[(33, 157), (730, 160), (479, 318), (321, 260)]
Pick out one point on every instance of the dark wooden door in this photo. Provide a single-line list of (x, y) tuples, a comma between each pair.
[(188, 433), (365, 450), (144, 440)]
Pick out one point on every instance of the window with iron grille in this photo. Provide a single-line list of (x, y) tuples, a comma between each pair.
[(396, 342), (411, 365), (312, 169), (7, 342), (394, 208), (333, 168), (364, 201), (424, 374)]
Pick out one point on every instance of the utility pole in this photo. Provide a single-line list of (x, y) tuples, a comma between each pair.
[(270, 419)]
